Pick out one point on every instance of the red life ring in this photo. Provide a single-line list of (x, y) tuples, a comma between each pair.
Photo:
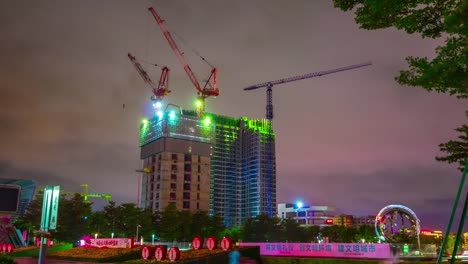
[(173, 254), (197, 243), (211, 243), (160, 253), (226, 243), (146, 252)]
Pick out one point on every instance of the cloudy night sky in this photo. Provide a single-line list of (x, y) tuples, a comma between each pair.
[(355, 140)]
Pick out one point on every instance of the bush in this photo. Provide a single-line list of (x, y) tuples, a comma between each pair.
[(5, 259)]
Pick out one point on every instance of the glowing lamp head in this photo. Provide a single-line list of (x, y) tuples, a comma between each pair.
[(160, 114), (157, 105), (207, 121), (172, 114), (299, 205), (198, 103)]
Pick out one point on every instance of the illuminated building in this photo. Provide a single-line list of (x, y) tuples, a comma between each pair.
[(306, 215), (343, 220), (363, 220), (353, 220), (214, 163), (15, 196)]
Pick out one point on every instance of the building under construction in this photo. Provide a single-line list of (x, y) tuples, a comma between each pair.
[(212, 163)]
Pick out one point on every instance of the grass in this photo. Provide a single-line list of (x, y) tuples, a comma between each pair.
[(34, 251)]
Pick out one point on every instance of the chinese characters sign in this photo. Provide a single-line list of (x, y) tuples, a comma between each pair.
[(329, 250), (109, 243)]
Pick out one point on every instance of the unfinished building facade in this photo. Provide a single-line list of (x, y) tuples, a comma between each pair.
[(214, 163)]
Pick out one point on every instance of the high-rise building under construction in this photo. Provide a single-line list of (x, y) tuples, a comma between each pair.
[(214, 163)]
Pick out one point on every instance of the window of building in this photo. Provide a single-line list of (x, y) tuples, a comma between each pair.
[(198, 186), (188, 167), (157, 195), (158, 177), (174, 157), (173, 186), (173, 176), (172, 195), (187, 186), (156, 205), (198, 196), (157, 186), (199, 167), (187, 177), (198, 177), (186, 195), (174, 168), (187, 157), (186, 205), (301, 214), (199, 158)]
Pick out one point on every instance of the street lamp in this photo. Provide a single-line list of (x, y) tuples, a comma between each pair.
[(136, 238), (152, 239)]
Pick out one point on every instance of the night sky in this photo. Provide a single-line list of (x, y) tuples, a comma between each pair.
[(355, 140)]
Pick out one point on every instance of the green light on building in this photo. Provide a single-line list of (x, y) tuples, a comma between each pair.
[(207, 121)]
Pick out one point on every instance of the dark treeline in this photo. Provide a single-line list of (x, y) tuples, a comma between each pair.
[(76, 219)]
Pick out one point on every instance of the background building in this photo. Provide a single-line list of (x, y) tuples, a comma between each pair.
[(307, 215), (214, 163)]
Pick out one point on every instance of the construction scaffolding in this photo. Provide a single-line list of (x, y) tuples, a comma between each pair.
[(240, 184)]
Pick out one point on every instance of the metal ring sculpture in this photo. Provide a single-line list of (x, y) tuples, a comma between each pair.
[(396, 219)]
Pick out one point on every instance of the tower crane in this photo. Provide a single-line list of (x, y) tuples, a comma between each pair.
[(209, 89), (269, 115), (159, 91), (87, 194)]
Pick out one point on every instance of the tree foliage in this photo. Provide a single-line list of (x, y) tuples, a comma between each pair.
[(457, 150), (448, 71)]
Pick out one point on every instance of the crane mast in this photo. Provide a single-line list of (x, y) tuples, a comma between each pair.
[(269, 116), (209, 89), (159, 91)]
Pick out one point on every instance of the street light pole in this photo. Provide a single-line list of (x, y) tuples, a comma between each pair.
[(136, 238), (152, 239)]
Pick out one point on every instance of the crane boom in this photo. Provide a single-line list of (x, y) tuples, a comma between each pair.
[(159, 91), (176, 50), (270, 178), (306, 76), (141, 71)]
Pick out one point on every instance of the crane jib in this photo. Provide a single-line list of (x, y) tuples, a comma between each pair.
[(306, 76)]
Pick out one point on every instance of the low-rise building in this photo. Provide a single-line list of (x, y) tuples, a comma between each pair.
[(306, 215)]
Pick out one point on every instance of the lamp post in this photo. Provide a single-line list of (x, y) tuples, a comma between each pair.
[(138, 226), (152, 239)]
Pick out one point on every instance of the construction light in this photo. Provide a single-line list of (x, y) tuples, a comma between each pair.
[(157, 105), (198, 103), (172, 114), (207, 121)]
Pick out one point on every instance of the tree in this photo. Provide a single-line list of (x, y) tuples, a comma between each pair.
[(262, 228), (448, 71), (291, 231), (170, 224), (457, 150), (72, 222)]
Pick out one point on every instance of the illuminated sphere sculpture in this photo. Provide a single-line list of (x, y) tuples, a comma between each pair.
[(396, 219)]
